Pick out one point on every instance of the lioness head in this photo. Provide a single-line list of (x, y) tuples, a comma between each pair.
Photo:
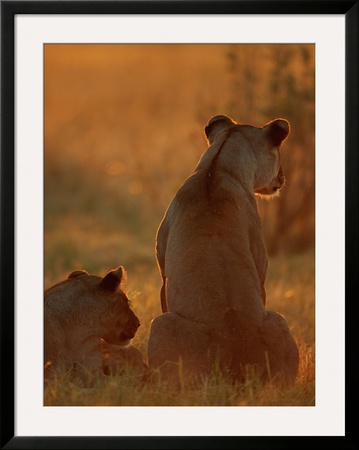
[(82, 310), (118, 321), (265, 143), (83, 315)]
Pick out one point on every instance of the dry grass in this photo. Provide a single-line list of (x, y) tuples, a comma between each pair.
[(290, 291)]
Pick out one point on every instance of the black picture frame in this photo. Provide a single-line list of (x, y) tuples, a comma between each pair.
[(9, 9)]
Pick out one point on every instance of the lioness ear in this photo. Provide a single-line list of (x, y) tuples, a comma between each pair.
[(112, 280), (77, 273), (278, 130), (215, 125)]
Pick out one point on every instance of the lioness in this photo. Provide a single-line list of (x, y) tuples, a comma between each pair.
[(83, 316), (212, 258)]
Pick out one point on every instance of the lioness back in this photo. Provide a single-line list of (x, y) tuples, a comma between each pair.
[(212, 257)]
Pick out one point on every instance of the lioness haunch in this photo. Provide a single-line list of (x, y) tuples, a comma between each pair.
[(212, 257), (88, 326)]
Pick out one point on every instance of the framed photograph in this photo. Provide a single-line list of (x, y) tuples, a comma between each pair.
[(106, 108)]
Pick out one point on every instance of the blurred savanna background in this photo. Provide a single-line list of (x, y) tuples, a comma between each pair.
[(123, 129)]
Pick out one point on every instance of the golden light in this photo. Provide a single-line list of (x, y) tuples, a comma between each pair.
[(115, 168), (135, 188)]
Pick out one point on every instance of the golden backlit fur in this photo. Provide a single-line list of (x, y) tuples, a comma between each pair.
[(213, 261)]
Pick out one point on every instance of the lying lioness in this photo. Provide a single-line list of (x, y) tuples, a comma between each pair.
[(88, 325), (213, 261)]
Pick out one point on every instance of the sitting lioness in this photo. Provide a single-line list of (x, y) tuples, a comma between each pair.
[(83, 316), (212, 258)]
